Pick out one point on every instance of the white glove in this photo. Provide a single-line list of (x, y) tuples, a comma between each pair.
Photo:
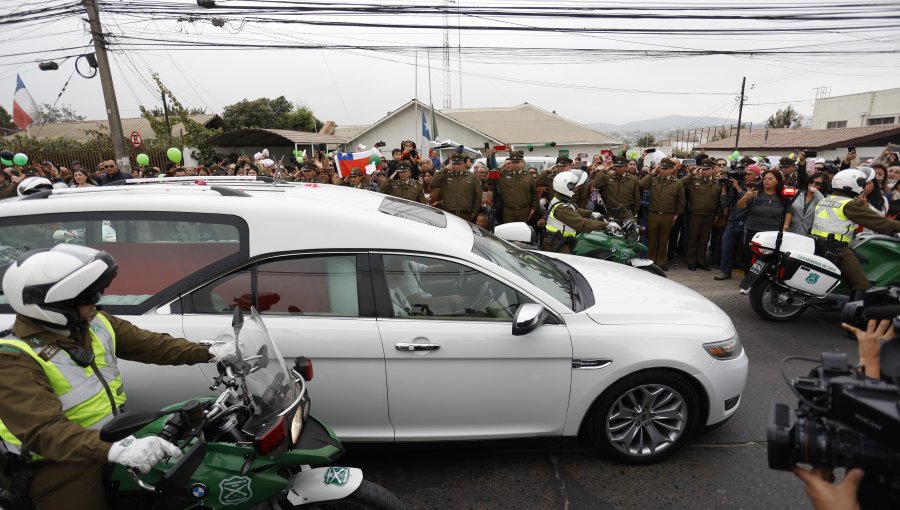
[(222, 352), (596, 216), (613, 228), (142, 453)]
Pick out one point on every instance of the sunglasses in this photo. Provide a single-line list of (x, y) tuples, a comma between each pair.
[(107, 166), (818, 184)]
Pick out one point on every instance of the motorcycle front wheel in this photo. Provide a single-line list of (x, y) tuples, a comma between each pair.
[(369, 496), (775, 303)]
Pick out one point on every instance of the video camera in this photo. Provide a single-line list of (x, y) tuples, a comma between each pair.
[(737, 174), (844, 419)]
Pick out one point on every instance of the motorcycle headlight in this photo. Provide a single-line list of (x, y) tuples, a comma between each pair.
[(726, 349)]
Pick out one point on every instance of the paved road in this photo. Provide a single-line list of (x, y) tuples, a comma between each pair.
[(723, 468)]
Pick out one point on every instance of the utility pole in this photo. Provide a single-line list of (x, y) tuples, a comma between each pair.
[(448, 100), (109, 92), (737, 139), (166, 114)]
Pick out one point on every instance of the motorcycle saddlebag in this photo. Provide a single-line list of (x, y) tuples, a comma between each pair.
[(810, 274)]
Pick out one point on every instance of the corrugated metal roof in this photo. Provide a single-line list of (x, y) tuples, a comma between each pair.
[(272, 137), (78, 130), (813, 139), (526, 123)]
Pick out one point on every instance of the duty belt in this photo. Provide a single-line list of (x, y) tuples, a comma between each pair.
[(660, 212)]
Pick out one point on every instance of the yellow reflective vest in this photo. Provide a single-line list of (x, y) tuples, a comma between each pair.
[(830, 219), (81, 391), (554, 225)]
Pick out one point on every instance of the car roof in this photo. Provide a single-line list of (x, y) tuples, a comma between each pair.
[(281, 216)]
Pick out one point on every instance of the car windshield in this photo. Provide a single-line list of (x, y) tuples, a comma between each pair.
[(538, 271), (268, 380)]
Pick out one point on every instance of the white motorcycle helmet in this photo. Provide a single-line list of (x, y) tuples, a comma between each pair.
[(31, 185), (851, 181), (48, 285), (565, 182)]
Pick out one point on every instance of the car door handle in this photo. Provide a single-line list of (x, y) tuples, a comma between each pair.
[(403, 346)]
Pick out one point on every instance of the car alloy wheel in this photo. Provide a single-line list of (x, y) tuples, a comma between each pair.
[(645, 417)]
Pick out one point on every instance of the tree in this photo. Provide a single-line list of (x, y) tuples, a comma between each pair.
[(196, 135), (278, 113), (62, 113), (7, 127), (647, 140), (786, 118)]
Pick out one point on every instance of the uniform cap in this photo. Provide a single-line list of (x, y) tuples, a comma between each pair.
[(619, 161), (309, 166), (786, 162), (667, 163), (516, 156), (562, 160), (747, 160), (355, 173), (458, 157), (708, 163), (404, 165)]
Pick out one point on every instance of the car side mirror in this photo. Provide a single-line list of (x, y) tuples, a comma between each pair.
[(528, 317)]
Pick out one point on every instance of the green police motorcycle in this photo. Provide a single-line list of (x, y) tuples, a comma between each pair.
[(255, 445)]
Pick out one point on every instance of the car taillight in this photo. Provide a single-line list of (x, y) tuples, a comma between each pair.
[(271, 436), (304, 367)]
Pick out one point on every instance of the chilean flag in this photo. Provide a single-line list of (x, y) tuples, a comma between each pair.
[(345, 162), (25, 110)]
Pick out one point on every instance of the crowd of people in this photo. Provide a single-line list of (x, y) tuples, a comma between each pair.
[(699, 211)]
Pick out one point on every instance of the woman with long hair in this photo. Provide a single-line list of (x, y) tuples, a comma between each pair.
[(766, 206), (80, 179), (803, 208)]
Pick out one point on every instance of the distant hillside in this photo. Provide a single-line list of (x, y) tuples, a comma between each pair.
[(663, 124)]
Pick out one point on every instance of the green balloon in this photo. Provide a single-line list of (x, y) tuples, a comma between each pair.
[(7, 162), (20, 159), (142, 159), (375, 160), (174, 155)]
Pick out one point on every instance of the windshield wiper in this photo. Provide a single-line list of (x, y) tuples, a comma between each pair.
[(576, 296)]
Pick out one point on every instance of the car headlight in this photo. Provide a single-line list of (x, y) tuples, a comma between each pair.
[(726, 349)]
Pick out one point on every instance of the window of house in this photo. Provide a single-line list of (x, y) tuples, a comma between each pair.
[(879, 121), (836, 124)]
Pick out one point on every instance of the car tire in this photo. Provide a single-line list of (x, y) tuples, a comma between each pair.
[(644, 417)]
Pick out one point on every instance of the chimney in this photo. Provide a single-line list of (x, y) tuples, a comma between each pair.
[(766, 138)]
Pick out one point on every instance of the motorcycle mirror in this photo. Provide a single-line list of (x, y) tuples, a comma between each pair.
[(127, 423), (176, 479)]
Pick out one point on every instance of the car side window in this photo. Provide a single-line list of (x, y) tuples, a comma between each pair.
[(429, 288), (320, 286)]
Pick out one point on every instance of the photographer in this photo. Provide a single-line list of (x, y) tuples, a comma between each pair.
[(733, 189), (819, 480)]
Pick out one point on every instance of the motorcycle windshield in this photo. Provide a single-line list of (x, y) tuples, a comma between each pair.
[(268, 381)]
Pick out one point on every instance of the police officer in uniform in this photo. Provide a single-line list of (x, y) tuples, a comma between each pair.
[(545, 179), (60, 382), (308, 172), (564, 219), (401, 185), (460, 189), (355, 180), (703, 198), (666, 205), (517, 189), (788, 167), (837, 217), (621, 191)]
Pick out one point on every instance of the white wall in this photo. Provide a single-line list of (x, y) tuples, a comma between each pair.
[(857, 108), (407, 125)]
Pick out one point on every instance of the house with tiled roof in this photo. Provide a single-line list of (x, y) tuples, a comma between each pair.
[(869, 141), (82, 130)]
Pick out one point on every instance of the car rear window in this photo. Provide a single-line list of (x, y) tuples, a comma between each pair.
[(154, 251), (413, 211)]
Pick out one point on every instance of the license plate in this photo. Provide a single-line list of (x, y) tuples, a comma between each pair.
[(757, 269)]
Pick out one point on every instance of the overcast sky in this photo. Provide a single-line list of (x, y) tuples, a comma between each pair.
[(358, 87)]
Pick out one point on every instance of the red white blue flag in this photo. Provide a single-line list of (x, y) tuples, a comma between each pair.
[(345, 162), (25, 110)]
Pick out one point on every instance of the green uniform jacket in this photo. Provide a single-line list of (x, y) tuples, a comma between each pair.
[(460, 191), (666, 194), (619, 191), (410, 190), (32, 411), (578, 219), (518, 190), (702, 194), (861, 214)]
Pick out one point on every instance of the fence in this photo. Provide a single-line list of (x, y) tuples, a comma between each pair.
[(90, 158)]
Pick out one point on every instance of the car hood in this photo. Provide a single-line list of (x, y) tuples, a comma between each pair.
[(626, 295)]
